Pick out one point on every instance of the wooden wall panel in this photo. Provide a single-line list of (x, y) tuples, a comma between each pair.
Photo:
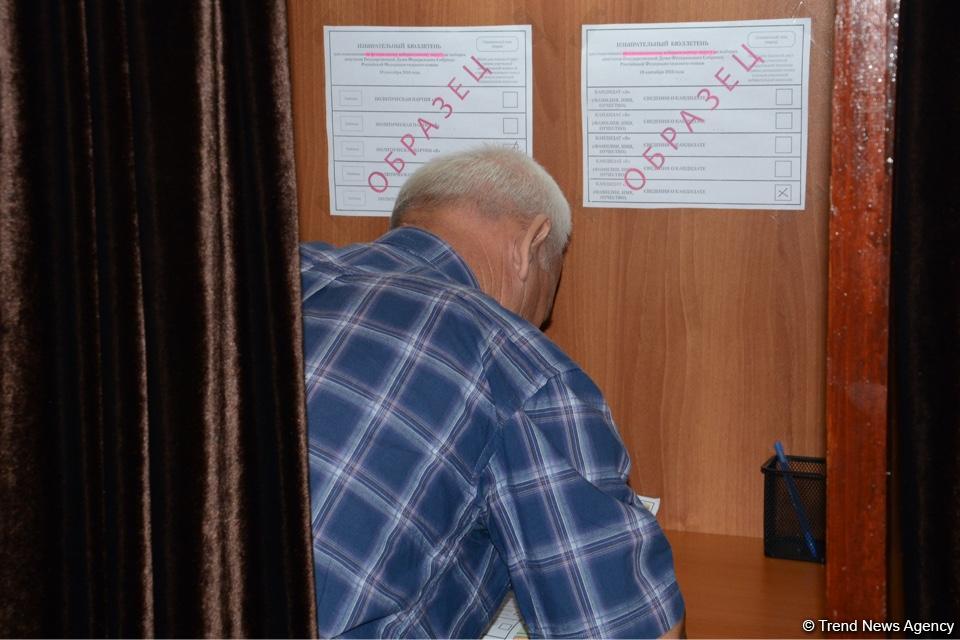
[(704, 328)]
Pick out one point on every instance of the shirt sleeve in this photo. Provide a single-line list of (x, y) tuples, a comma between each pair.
[(585, 558)]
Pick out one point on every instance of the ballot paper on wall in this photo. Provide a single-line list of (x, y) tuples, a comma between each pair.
[(508, 623), (708, 114), (397, 97)]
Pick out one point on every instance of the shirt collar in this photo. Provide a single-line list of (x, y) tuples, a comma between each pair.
[(433, 250)]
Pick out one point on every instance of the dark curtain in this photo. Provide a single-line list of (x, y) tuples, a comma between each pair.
[(926, 309), (152, 445)]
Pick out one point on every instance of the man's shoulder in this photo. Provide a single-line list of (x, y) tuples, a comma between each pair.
[(516, 353), (370, 263), (323, 255), (519, 355), (313, 251)]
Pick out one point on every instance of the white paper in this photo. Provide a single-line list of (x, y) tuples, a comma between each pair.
[(508, 623), (746, 81), (650, 504), (447, 88)]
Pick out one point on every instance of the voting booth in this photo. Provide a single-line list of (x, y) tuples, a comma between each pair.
[(706, 290)]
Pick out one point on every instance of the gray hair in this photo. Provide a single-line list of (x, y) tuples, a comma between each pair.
[(497, 181)]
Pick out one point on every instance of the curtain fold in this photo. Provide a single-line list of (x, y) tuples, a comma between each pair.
[(153, 472), (925, 292)]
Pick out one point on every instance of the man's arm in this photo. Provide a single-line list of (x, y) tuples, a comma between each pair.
[(678, 630), (585, 559)]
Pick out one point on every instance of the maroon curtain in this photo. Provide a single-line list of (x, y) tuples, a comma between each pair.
[(152, 443), (926, 310)]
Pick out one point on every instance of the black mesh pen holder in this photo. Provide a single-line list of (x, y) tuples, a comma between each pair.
[(783, 533)]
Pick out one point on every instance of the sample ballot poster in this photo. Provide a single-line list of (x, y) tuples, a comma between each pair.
[(708, 114), (397, 97)]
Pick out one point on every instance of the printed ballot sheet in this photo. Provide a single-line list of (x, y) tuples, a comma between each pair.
[(397, 97), (708, 114)]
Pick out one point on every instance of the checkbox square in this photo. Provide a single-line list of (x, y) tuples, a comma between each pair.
[(783, 192), (783, 169), (784, 120), (511, 126), (784, 97), (783, 144), (511, 99)]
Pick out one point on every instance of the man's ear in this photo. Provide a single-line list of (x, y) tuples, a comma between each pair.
[(529, 243)]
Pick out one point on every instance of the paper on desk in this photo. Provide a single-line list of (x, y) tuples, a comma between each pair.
[(508, 623), (650, 504), (399, 96)]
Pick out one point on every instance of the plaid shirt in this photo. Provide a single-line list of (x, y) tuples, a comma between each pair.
[(455, 451)]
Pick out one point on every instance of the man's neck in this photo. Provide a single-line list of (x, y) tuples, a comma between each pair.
[(482, 243)]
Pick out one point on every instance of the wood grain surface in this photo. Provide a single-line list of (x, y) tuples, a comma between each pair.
[(858, 302), (733, 591), (704, 328)]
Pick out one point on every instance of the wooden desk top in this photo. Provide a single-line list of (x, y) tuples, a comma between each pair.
[(733, 591)]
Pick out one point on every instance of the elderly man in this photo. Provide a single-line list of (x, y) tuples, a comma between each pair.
[(455, 451)]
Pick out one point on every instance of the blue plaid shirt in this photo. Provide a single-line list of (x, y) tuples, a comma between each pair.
[(455, 451)]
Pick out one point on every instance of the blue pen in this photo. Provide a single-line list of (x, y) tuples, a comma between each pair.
[(795, 498)]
